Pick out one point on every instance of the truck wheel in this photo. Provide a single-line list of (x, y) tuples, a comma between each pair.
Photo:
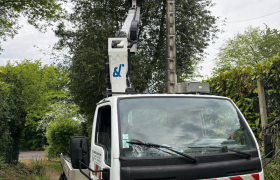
[(62, 176)]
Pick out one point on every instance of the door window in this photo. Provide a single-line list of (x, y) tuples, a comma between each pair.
[(103, 131)]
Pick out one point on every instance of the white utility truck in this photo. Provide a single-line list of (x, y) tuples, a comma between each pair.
[(191, 136)]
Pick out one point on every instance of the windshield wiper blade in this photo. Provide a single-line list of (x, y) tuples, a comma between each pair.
[(165, 147), (225, 149)]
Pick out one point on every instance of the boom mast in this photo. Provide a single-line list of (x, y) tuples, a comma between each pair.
[(119, 52)]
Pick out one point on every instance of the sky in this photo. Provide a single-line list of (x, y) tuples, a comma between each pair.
[(27, 44), (239, 10)]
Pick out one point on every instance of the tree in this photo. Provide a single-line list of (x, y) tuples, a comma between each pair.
[(4, 108), (94, 21), (43, 85), (248, 49), (12, 112), (59, 109), (87, 45), (195, 29), (39, 13)]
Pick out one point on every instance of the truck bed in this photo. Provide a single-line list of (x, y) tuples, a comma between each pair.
[(70, 173)]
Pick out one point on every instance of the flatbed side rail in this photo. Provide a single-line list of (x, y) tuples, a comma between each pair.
[(69, 171)]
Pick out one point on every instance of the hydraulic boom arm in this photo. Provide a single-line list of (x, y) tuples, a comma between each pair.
[(119, 52)]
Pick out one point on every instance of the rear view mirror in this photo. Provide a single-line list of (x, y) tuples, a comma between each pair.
[(268, 145), (79, 150)]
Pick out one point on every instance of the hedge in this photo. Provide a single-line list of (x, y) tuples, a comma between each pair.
[(240, 84), (12, 116)]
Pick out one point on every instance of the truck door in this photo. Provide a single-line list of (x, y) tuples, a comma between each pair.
[(101, 140)]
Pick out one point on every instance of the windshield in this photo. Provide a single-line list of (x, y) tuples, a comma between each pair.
[(181, 124)]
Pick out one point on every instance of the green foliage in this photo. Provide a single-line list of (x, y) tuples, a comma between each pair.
[(56, 167), (272, 170), (3, 145), (40, 85), (240, 84), (57, 110), (4, 108), (12, 115), (88, 48), (39, 13), (96, 20), (248, 49), (38, 167), (21, 172), (3, 163), (59, 134), (192, 75), (195, 29)]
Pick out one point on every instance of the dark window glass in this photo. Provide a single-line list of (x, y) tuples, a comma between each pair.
[(103, 131)]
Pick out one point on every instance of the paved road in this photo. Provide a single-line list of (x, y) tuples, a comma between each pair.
[(31, 154)]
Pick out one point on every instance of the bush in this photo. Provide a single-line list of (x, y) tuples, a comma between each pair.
[(2, 162), (59, 134)]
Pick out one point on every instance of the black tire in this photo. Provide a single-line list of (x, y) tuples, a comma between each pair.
[(62, 176)]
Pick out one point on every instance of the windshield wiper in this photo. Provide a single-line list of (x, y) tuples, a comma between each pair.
[(165, 147), (225, 149)]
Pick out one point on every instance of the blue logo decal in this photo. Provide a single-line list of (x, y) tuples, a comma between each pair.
[(117, 73)]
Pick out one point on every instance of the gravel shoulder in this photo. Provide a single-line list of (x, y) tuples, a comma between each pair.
[(31, 154)]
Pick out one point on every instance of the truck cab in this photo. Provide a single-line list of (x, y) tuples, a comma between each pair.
[(172, 137)]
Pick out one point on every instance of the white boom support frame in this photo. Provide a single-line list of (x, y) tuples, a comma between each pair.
[(118, 64), (118, 49)]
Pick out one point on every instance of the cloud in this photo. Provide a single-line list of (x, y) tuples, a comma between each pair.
[(22, 46), (236, 10)]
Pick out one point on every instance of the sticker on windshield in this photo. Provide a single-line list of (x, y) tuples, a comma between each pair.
[(125, 144), (125, 136)]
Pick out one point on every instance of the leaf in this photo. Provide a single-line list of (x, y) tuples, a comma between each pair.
[(272, 91), (257, 122)]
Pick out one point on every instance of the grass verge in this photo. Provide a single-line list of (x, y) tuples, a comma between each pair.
[(21, 172), (57, 167)]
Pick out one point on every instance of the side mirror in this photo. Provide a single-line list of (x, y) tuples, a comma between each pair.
[(268, 145), (79, 151)]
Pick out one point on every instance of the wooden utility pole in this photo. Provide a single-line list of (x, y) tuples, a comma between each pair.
[(262, 102), (170, 76)]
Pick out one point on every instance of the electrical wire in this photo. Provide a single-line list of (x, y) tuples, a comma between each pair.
[(252, 18)]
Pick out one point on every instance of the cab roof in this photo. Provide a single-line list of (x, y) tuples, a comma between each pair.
[(117, 96)]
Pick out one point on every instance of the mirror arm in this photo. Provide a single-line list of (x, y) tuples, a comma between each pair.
[(80, 162), (267, 154), (82, 171), (91, 169), (80, 157)]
